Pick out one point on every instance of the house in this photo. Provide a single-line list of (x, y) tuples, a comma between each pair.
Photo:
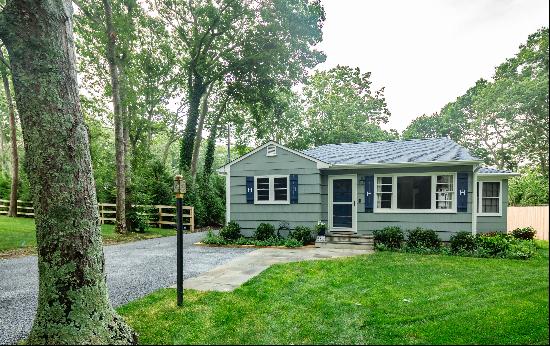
[(356, 188)]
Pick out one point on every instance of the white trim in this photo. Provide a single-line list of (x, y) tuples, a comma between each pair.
[(474, 199), (405, 164), (228, 196), (432, 208), (272, 189), (480, 198), (320, 164), (499, 175), (353, 178)]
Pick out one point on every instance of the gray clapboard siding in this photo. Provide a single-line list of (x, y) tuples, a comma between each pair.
[(306, 213), (496, 223)]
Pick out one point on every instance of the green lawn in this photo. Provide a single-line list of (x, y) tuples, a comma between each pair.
[(384, 298), (17, 235)]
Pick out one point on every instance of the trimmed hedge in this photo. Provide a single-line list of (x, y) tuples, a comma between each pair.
[(264, 231), (525, 233), (420, 238), (301, 234)]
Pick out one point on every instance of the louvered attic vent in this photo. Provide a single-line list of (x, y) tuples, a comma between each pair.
[(271, 150)]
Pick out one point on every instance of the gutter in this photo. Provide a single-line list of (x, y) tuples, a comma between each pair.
[(403, 164)]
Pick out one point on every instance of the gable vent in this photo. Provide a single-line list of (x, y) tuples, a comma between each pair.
[(271, 150)]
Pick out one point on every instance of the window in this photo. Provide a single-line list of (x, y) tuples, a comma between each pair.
[(415, 192), (444, 192), (271, 190), (489, 198), (384, 189)]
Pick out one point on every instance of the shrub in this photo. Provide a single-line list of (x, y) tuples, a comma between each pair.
[(525, 233), (213, 239), (492, 245), (388, 238), (137, 219), (462, 242), (301, 234), (521, 249), (231, 231), (264, 231), (292, 243), (423, 238)]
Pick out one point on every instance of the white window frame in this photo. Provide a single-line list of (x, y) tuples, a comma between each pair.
[(480, 198), (394, 208), (272, 189)]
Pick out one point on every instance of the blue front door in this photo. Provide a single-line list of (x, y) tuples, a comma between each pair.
[(342, 204)]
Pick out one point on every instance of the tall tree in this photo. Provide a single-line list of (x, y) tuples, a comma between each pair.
[(13, 135), (73, 305), (250, 43), (340, 106)]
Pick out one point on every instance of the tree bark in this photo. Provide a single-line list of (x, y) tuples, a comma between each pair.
[(119, 122), (14, 154), (73, 304), (198, 137), (196, 90)]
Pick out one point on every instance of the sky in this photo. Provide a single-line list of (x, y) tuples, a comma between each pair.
[(426, 53)]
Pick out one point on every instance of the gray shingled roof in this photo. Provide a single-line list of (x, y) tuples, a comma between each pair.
[(405, 151), (492, 170)]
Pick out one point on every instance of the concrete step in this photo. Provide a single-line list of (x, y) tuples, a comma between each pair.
[(354, 240), (345, 246)]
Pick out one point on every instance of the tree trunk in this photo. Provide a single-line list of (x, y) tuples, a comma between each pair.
[(196, 90), (73, 305), (14, 154), (119, 122), (211, 144), (198, 137)]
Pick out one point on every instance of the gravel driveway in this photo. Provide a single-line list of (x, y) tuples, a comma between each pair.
[(133, 270)]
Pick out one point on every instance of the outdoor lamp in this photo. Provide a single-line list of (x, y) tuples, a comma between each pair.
[(179, 186)]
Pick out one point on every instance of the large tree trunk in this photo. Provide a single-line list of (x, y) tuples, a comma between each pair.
[(119, 122), (198, 137), (14, 154), (73, 305), (196, 90)]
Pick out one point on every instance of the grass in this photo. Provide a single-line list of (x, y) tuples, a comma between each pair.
[(384, 298), (18, 236)]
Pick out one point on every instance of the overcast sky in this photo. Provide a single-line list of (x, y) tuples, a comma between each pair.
[(426, 52)]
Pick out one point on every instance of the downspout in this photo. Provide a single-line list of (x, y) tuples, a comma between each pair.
[(474, 199)]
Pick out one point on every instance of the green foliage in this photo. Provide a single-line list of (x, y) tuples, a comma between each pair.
[(462, 242), (320, 228), (207, 196), (531, 188), (264, 231), (389, 237), (231, 231), (525, 233), (302, 234), (504, 246), (292, 243), (214, 239), (421, 238), (139, 220), (505, 121)]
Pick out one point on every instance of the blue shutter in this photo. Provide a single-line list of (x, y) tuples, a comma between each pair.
[(369, 193), (462, 192), (293, 188), (250, 190)]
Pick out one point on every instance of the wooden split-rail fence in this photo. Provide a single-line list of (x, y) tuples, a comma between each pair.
[(157, 215)]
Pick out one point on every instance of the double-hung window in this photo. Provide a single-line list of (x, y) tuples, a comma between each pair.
[(271, 189), (489, 198), (415, 192)]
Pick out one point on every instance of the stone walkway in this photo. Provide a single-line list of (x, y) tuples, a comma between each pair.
[(234, 273)]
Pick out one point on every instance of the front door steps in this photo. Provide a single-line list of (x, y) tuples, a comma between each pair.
[(346, 240)]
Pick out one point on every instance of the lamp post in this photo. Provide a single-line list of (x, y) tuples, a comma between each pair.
[(179, 190)]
